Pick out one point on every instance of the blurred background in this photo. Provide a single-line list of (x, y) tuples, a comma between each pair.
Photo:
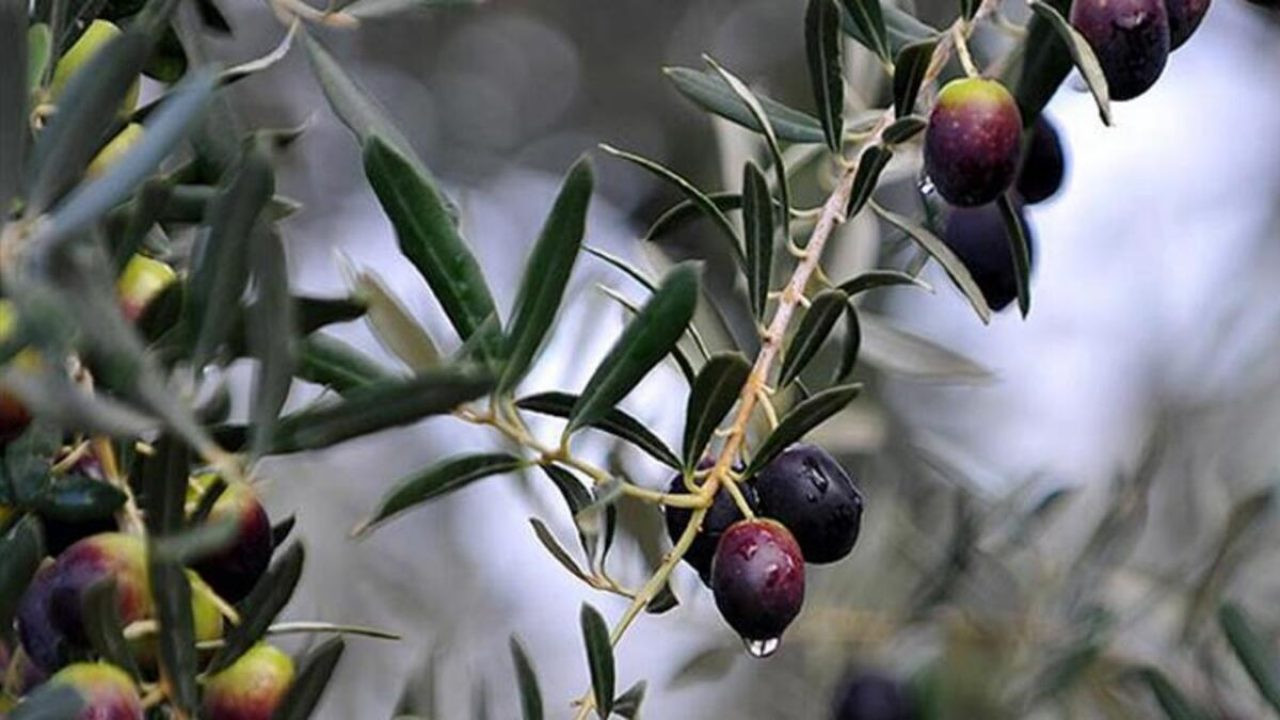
[(1073, 482)]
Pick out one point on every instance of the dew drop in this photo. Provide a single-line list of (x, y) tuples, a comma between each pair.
[(762, 648), (926, 185)]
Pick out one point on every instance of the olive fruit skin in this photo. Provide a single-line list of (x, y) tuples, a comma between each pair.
[(90, 42), (50, 618), (1184, 19), (106, 691), (978, 237), (141, 281), (233, 571), (1043, 165), (722, 513), (805, 489), (251, 688), (1131, 39), (973, 142), (115, 149), (757, 578), (872, 696)]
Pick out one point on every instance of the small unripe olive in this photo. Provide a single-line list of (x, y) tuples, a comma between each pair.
[(90, 42), (142, 280), (115, 149)]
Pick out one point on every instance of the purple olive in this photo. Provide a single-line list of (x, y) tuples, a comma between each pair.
[(978, 237), (973, 142), (1043, 165), (805, 489), (1184, 19), (757, 578), (873, 696), (1130, 38), (722, 513)]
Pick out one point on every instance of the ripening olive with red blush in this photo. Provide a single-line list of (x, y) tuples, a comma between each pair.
[(1131, 39), (105, 691), (805, 489), (251, 688), (974, 141), (757, 577), (234, 570)]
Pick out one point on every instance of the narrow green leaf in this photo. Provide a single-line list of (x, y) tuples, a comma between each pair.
[(395, 329), (814, 328), (758, 228), (220, 272), (1045, 65), (902, 28), (330, 362), (873, 279), (714, 393), (553, 547), (313, 313), (600, 659), (868, 19), (1018, 245), (852, 343), (686, 211), (616, 422), (647, 339), (690, 191), (260, 609), (968, 8), (938, 250), (164, 485), (577, 499), (771, 138), (21, 550), (627, 704), (14, 91), (171, 592), (546, 275), (635, 274), (104, 628), (903, 129), (436, 480), (1082, 56), (822, 48), (527, 680), (713, 94), (870, 164), (677, 355), (800, 420), (428, 236), (313, 678), (663, 601), (271, 322), (908, 74), (1253, 651), (1175, 705), (87, 110), (378, 406)]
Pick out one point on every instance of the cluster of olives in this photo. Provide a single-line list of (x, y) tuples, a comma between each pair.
[(808, 510), (977, 148), (54, 642)]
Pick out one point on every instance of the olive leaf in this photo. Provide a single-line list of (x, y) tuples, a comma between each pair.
[(327, 361), (21, 550), (616, 422), (812, 332), (901, 28), (870, 164), (758, 229), (866, 16), (271, 325), (1045, 64), (712, 93), (800, 420), (171, 592), (822, 49), (852, 343), (1081, 54), (647, 339), (1253, 651), (527, 680), (268, 597), (313, 678), (600, 659), (908, 74), (547, 274), (14, 84), (714, 393), (938, 250), (1019, 247), (872, 279), (1175, 705), (686, 211), (437, 480)]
